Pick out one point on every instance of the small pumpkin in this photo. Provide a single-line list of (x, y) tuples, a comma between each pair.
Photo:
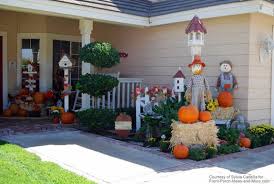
[(23, 92), (225, 99), (188, 114), (180, 151), (7, 113), (14, 108), (67, 118), (245, 142), (205, 116), (39, 98), (22, 113)]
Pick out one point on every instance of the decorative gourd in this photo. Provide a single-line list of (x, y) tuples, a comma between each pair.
[(7, 113), (205, 116), (245, 142), (14, 108), (188, 114), (67, 118), (180, 151), (225, 99), (39, 98), (23, 92), (22, 113)]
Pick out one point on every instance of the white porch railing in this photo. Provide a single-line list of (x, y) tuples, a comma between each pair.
[(121, 96)]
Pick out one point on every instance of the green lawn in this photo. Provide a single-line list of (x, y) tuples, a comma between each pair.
[(18, 166)]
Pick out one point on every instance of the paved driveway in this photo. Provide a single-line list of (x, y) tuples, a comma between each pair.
[(109, 161)]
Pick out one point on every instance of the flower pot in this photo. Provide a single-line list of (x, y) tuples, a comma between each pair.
[(67, 118), (56, 120), (122, 133)]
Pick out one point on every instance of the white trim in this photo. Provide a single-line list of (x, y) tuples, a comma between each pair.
[(42, 56), (5, 87), (272, 82), (54, 8)]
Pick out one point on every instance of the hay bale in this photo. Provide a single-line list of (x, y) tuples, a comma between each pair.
[(222, 113), (197, 133)]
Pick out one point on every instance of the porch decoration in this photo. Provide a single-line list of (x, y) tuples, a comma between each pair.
[(7, 113), (188, 114), (66, 64), (180, 151), (225, 99), (39, 97), (205, 116), (226, 80), (30, 82), (196, 133), (196, 32), (123, 125), (179, 83), (67, 117), (245, 142), (198, 91)]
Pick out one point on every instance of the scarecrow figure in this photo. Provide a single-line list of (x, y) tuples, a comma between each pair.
[(226, 80), (198, 91)]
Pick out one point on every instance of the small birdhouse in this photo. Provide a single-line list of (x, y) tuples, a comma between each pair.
[(179, 81), (196, 31), (65, 62)]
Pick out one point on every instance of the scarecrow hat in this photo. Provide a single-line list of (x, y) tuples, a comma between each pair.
[(197, 60)]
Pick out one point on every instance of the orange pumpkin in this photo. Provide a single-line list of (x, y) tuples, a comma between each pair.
[(22, 113), (188, 114), (39, 98), (7, 113), (23, 92), (180, 151), (225, 99), (205, 116), (67, 118), (245, 142), (14, 108)]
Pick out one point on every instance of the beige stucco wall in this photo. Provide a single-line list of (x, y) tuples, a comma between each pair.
[(155, 53)]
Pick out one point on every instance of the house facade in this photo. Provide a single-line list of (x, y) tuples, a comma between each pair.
[(153, 35)]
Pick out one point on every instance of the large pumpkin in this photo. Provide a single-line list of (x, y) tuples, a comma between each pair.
[(205, 116), (67, 118), (22, 113), (225, 99), (14, 108), (245, 142), (188, 114), (180, 151), (7, 113), (39, 98)]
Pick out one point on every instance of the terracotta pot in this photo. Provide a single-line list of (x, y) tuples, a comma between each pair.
[(67, 118), (122, 133), (56, 120)]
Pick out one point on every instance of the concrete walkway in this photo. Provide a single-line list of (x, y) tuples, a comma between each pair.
[(105, 160)]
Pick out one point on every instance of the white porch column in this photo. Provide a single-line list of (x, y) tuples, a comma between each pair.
[(86, 27)]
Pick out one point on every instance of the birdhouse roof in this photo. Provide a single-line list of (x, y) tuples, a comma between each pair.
[(179, 74), (196, 25)]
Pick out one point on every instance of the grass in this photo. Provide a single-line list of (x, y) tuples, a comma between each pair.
[(17, 166)]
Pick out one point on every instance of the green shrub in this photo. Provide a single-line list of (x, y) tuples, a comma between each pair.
[(211, 152), (260, 135), (96, 84), (97, 119), (231, 135), (164, 146), (228, 148), (151, 142), (197, 154), (101, 55)]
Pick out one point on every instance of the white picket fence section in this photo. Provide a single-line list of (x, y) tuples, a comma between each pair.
[(121, 96)]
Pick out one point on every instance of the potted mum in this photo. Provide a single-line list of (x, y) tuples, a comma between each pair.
[(55, 112)]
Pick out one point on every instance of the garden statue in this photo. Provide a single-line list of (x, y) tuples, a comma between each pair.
[(226, 80), (198, 91)]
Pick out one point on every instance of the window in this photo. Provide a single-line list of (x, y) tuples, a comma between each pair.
[(71, 49), (30, 55)]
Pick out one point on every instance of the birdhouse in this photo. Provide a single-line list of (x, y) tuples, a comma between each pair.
[(65, 62), (196, 31), (179, 81)]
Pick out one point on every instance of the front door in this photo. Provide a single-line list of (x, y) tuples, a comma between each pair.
[(1, 74)]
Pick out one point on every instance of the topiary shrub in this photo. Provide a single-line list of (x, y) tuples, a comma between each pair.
[(96, 84), (97, 119), (100, 54), (260, 135)]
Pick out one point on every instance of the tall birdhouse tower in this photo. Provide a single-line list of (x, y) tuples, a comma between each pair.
[(196, 32)]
